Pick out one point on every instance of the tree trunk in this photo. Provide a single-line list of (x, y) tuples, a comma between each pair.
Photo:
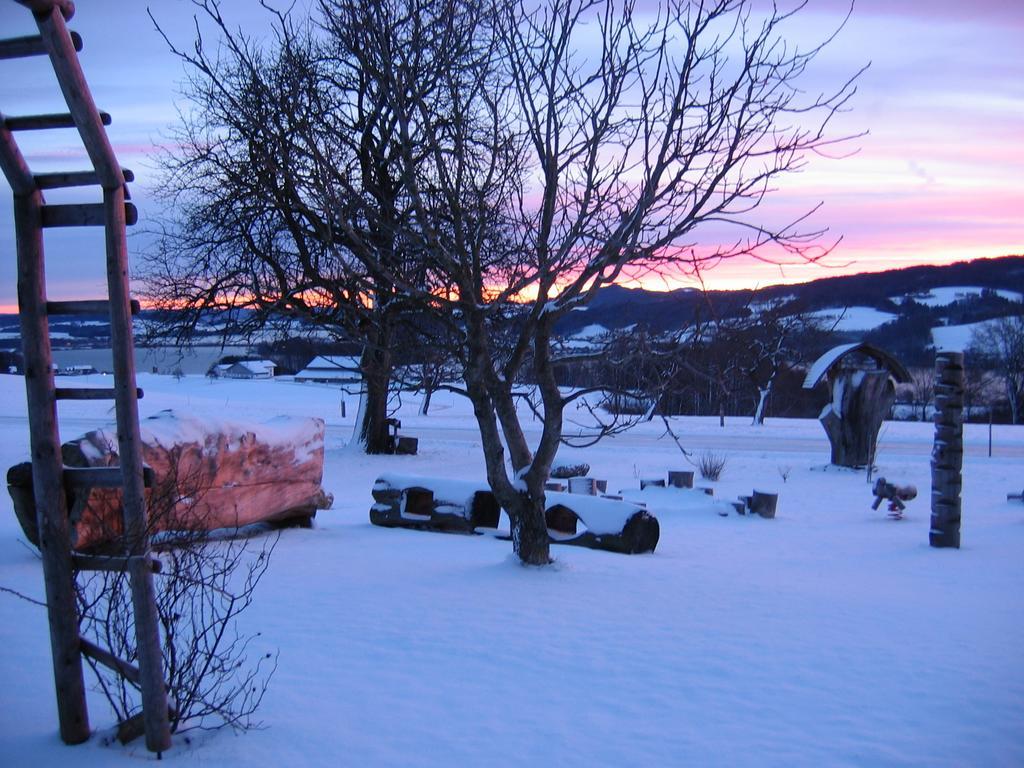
[(530, 539), (375, 365), (1014, 401), (425, 406), (508, 417), (493, 403), (762, 401)]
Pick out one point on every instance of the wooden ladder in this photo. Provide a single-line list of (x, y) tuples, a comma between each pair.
[(51, 479)]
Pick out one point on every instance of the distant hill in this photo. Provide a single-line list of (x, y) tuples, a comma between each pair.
[(896, 308)]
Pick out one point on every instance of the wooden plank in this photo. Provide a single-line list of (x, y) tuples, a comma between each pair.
[(112, 563), (31, 45), (47, 472), (128, 671), (85, 307), (83, 215), (82, 478), (46, 122), (73, 179), (88, 393)]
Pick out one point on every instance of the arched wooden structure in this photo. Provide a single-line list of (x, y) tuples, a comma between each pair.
[(862, 382), (50, 477)]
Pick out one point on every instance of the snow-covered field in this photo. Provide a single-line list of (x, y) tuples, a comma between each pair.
[(942, 297), (828, 636), (847, 319)]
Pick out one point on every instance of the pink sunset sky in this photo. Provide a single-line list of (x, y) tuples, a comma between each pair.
[(938, 178)]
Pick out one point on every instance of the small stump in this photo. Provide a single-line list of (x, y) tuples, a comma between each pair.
[(763, 504), (680, 478), (584, 485)]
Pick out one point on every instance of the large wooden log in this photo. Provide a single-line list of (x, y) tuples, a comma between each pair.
[(208, 474)]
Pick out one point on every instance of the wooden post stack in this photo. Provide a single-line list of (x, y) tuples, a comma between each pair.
[(948, 450), (31, 216)]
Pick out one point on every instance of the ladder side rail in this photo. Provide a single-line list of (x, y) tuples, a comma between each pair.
[(147, 625), (47, 463), (39, 7), (57, 39), (77, 95), (47, 473), (13, 164)]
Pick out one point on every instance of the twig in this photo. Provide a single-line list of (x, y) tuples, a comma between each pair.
[(24, 597)]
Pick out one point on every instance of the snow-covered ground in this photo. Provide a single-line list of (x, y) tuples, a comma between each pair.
[(828, 636), (955, 338), (847, 319), (942, 297)]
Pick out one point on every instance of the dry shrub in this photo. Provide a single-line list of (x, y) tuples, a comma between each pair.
[(711, 464)]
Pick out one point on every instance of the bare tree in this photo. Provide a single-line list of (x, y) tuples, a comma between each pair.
[(999, 344), (495, 165), (771, 346), (922, 390), (285, 200), (571, 143)]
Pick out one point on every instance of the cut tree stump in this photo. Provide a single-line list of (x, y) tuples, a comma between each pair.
[(407, 446), (209, 474), (584, 485), (763, 504), (680, 478)]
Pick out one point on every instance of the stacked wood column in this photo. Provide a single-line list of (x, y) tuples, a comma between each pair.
[(948, 450)]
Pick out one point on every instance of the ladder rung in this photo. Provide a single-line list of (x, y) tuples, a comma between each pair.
[(20, 47), (45, 122), (83, 478), (73, 179), (89, 393), (85, 307), (84, 215), (106, 658), (113, 563)]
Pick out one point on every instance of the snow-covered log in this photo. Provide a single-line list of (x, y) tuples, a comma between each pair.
[(207, 474), (430, 503), (460, 506)]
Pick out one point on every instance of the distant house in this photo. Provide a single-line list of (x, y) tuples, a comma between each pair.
[(76, 370), (332, 369), (250, 369)]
